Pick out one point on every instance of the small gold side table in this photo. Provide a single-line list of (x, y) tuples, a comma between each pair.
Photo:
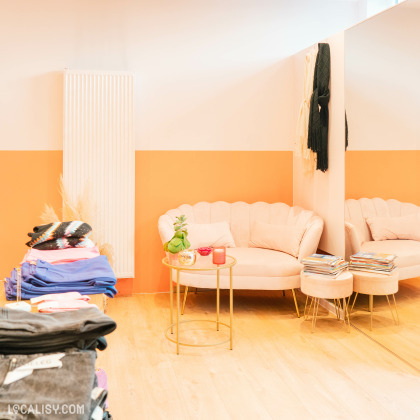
[(202, 264)]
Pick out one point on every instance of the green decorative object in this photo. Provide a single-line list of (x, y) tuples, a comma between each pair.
[(179, 241)]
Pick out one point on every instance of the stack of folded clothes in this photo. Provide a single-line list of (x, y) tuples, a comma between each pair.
[(90, 276), (61, 259), (47, 364)]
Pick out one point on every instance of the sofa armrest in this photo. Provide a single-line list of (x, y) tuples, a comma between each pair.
[(166, 228), (311, 238), (353, 238)]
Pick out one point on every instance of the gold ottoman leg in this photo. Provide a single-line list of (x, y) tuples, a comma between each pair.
[(296, 305)]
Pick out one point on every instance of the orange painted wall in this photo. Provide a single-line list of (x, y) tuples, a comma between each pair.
[(28, 180), (383, 173), (164, 180)]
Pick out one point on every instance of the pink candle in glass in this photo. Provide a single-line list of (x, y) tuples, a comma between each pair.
[(219, 255)]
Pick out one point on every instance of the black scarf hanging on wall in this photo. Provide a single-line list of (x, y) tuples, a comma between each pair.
[(318, 113)]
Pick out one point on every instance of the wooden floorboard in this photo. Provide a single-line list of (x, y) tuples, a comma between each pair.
[(277, 369)]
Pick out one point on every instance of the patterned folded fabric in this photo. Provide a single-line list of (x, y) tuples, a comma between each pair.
[(63, 243), (60, 235)]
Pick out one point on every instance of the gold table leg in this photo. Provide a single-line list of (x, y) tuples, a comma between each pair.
[(231, 308), (354, 301), (396, 310), (218, 299), (177, 312), (347, 303), (371, 310), (339, 309), (390, 309), (171, 295), (296, 305), (304, 310), (336, 309), (315, 314), (309, 310), (185, 299)]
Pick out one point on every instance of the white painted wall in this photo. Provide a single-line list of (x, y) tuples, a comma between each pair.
[(382, 80), (324, 192), (209, 74)]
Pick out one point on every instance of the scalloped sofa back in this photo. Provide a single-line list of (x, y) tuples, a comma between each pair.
[(256, 268)]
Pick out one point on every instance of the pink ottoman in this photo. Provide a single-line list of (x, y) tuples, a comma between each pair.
[(376, 284), (318, 287)]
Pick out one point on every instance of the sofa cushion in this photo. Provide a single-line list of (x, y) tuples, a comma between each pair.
[(402, 227), (264, 263), (210, 234), (281, 238), (407, 251)]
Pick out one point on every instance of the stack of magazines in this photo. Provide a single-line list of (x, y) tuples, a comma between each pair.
[(372, 262), (328, 265)]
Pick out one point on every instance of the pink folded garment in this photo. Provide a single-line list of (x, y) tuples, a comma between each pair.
[(61, 256), (60, 297), (102, 381), (63, 306)]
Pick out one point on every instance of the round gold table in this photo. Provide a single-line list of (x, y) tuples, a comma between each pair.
[(202, 264)]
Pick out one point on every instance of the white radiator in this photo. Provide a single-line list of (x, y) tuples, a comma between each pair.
[(98, 150)]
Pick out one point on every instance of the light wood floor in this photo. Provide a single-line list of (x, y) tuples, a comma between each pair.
[(276, 370), (403, 339)]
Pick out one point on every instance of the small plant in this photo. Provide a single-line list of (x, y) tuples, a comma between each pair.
[(179, 241)]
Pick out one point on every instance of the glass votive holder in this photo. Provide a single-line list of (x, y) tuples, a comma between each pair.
[(219, 255)]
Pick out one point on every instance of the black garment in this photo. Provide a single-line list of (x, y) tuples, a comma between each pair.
[(26, 333), (318, 113), (347, 131), (54, 393)]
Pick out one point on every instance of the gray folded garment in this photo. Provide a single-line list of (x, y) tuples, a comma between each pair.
[(52, 393), (26, 333)]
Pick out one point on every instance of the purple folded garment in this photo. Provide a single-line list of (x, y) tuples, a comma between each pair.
[(90, 276)]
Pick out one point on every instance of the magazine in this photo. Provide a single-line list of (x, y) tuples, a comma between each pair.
[(370, 270), (373, 256)]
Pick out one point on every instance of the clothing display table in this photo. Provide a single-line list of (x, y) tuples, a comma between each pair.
[(318, 286), (203, 264), (378, 284)]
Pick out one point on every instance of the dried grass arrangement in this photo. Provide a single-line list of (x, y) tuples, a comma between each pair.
[(83, 209)]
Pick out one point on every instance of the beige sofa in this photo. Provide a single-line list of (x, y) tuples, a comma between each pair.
[(359, 238), (256, 268)]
